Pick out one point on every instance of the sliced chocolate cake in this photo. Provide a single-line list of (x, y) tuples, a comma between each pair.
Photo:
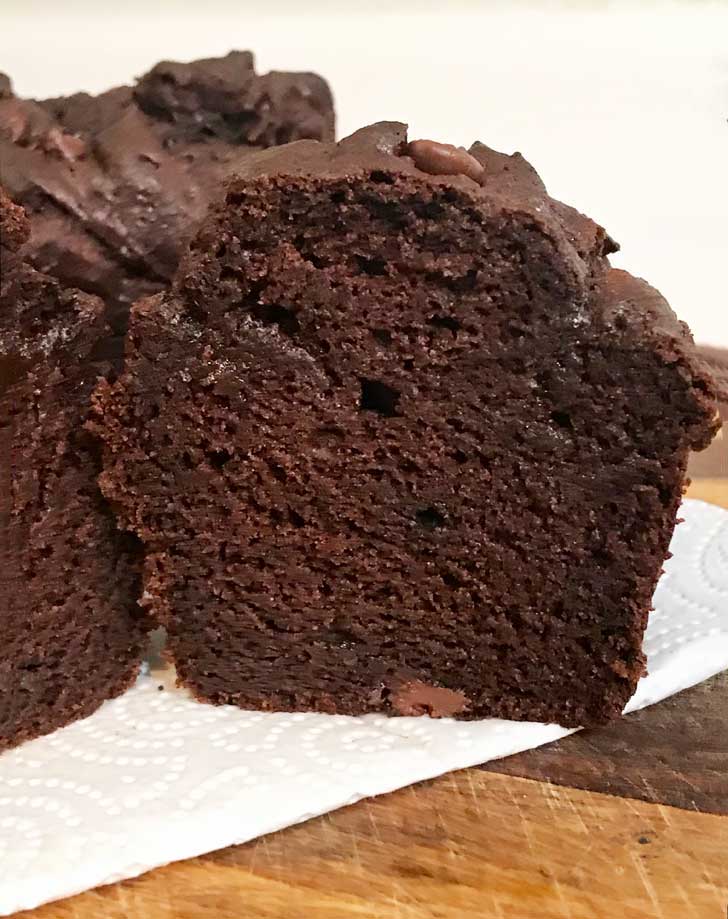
[(71, 629), (114, 183), (399, 440)]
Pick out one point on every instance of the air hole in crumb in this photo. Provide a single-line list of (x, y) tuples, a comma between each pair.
[(451, 581), (296, 519), (278, 471), (32, 666), (445, 322), (380, 177), (188, 462), (338, 197), (218, 458), (460, 457), (331, 430), (340, 635), (562, 419), (371, 266), (318, 261), (430, 210), (485, 461), (409, 364), (229, 274), (275, 314), (378, 397), (467, 282), (303, 244), (430, 518), (221, 250), (383, 336)]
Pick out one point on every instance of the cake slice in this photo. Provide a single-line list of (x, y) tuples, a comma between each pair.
[(72, 632), (399, 440), (114, 183)]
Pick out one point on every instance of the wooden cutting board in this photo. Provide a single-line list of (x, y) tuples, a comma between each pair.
[(629, 821)]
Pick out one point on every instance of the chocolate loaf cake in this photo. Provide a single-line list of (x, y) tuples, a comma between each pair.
[(72, 632), (399, 440), (114, 183)]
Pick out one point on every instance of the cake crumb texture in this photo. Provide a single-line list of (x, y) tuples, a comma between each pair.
[(400, 440), (72, 631)]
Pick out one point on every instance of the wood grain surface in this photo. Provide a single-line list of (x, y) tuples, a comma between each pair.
[(629, 821), (471, 845), (672, 753)]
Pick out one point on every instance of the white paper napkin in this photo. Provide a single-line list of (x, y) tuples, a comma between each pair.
[(154, 776)]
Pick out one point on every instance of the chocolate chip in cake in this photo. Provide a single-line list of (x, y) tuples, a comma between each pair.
[(444, 159)]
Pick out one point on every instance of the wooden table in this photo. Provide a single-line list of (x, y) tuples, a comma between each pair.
[(626, 822)]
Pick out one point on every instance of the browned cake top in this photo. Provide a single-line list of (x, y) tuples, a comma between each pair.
[(495, 183), (483, 173), (39, 320), (114, 182)]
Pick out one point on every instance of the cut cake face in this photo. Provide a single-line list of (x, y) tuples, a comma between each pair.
[(400, 440), (72, 632)]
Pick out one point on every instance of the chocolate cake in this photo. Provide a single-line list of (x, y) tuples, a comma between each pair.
[(71, 630), (114, 183), (400, 440)]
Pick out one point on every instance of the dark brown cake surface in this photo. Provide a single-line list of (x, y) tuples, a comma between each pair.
[(115, 183), (72, 631), (400, 440)]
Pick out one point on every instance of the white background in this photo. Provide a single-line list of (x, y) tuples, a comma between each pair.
[(622, 107)]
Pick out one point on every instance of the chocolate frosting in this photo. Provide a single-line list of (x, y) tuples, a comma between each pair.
[(115, 183)]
